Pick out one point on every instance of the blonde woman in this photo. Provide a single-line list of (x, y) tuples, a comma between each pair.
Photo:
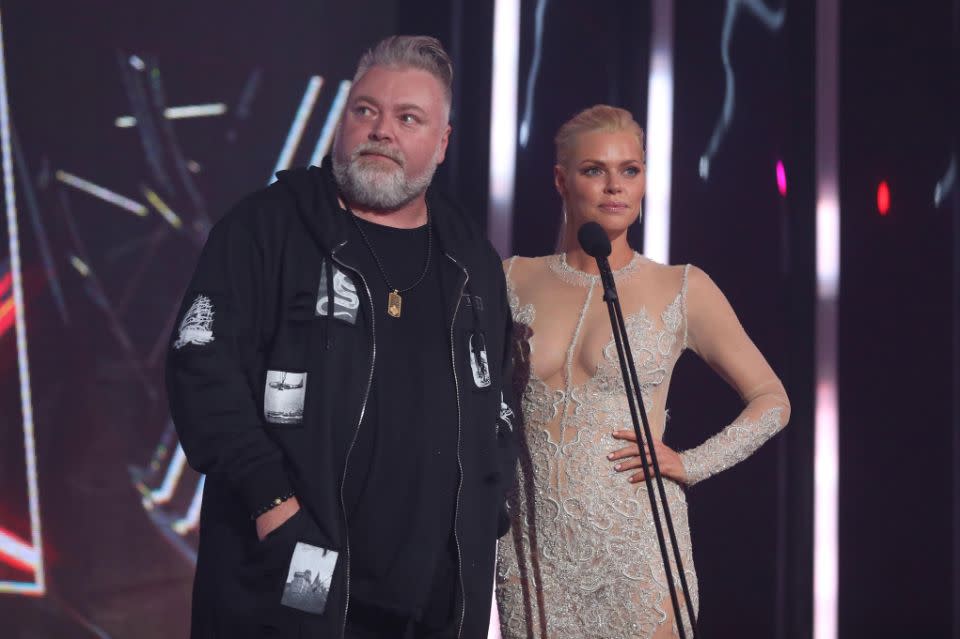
[(583, 559)]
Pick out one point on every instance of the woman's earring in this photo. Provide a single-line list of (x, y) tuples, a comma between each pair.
[(562, 231)]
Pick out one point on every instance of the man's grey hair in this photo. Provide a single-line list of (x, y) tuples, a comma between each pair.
[(411, 52)]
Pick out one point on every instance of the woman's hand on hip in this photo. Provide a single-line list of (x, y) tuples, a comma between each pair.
[(628, 459)]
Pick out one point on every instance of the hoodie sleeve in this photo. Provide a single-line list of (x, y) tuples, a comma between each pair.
[(212, 363), (509, 410)]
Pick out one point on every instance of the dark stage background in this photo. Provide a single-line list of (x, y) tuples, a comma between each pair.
[(102, 282)]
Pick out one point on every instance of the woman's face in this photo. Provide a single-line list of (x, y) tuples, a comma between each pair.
[(603, 180)]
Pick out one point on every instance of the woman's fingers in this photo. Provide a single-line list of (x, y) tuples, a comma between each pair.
[(632, 461), (630, 464), (636, 462), (628, 451), (641, 476)]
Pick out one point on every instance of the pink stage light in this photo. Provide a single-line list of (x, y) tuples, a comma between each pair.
[(781, 178)]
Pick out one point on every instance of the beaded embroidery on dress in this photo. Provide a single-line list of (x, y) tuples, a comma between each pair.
[(582, 559)]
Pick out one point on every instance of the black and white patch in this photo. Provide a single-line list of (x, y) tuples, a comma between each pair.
[(196, 327), (478, 360), (346, 302), (309, 578), (506, 415), (283, 397)]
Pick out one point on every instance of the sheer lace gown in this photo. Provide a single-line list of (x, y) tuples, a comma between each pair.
[(582, 559)]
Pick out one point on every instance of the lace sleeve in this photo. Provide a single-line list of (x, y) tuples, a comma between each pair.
[(716, 335)]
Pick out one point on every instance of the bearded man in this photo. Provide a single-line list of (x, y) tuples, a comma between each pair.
[(341, 374)]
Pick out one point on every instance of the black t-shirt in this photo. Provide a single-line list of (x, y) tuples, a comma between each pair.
[(402, 472)]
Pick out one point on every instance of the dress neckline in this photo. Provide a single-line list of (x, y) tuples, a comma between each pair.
[(558, 264)]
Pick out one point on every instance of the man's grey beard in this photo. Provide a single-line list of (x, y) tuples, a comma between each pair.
[(367, 185)]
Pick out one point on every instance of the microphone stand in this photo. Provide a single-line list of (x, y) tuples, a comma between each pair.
[(635, 400)]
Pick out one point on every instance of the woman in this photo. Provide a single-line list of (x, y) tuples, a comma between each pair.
[(583, 559)]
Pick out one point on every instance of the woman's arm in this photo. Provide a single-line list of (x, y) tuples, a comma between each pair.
[(716, 335)]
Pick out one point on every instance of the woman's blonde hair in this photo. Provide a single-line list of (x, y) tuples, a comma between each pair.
[(599, 117)]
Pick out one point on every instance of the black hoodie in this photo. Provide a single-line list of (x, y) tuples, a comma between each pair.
[(255, 331)]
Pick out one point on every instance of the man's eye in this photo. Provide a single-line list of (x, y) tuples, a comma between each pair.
[(362, 110), (409, 118)]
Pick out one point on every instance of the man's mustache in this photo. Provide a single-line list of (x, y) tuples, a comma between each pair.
[(368, 148)]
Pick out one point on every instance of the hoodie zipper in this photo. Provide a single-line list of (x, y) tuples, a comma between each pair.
[(356, 432), (456, 382)]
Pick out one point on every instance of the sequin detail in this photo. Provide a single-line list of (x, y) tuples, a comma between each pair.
[(582, 560), (730, 446), (558, 264)]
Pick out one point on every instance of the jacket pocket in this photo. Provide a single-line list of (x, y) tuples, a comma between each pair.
[(293, 568), (284, 396)]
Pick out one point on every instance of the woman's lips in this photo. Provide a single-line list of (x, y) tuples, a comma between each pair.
[(615, 207)]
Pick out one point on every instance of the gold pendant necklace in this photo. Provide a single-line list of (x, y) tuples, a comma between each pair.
[(394, 303)]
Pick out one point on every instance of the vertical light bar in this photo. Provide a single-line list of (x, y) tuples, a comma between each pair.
[(503, 123), (826, 439), (299, 123), (656, 233), (23, 364), (330, 124)]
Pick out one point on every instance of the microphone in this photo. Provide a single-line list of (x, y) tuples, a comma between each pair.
[(595, 243), (593, 240)]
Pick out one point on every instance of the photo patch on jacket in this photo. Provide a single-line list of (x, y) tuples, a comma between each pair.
[(478, 360), (196, 327), (309, 578), (346, 302), (283, 397)]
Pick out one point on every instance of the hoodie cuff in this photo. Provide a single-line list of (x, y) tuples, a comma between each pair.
[(264, 485)]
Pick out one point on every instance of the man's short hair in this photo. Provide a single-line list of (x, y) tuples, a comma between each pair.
[(411, 52)]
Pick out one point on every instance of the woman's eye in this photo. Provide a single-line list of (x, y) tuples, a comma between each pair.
[(593, 170), (632, 171)]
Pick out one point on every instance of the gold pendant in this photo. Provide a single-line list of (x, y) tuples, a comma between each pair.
[(394, 304)]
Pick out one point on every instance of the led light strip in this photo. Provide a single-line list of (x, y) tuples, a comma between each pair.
[(503, 123), (330, 125), (826, 440), (191, 520), (34, 558), (177, 113), (163, 208), (659, 155), (103, 193), (194, 111), (170, 480), (299, 123)]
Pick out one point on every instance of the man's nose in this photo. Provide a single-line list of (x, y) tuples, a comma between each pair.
[(381, 131)]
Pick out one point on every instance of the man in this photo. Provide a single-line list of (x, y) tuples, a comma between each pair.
[(339, 375)]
